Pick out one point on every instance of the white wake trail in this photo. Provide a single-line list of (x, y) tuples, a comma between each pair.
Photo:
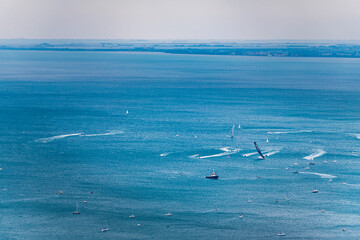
[(249, 154), (316, 154), (322, 175), (287, 132), (50, 139), (103, 134), (226, 152), (270, 153)]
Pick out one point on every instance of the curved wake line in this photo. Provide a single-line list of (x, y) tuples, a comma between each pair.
[(50, 139), (300, 131), (322, 175), (103, 134), (319, 153)]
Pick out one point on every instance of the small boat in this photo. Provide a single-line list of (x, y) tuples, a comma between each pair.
[(267, 140), (311, 163), (104, 229), (168, 214), (85, 201), (60, 192), (315, 191), (307, 168), (239, 126), (213, 175), (127, 112), (295, 171), (281, 234), (241, 216), (132, 216), (77, 209)]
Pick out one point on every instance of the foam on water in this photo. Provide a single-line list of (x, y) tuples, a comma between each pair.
[(50, 139), (249, 154), (271, 153), (322, 175), (316, 154), (103, 134), (287, 132), (227, 151)]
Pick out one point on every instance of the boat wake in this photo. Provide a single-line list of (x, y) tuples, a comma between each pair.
[(316, 154), (50, 139), (249, 154), (227, 151), (103, 134), (270, 153), (357, 135), (322, 175), (287, 132)]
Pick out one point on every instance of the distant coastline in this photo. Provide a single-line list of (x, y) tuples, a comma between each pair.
[(271, 49)]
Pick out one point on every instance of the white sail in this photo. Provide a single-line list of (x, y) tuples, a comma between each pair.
[(233, 130)]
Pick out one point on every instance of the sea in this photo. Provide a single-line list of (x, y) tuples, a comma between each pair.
[(118, 134)]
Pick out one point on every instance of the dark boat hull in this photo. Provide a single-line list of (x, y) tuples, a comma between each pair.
[(212, 177)]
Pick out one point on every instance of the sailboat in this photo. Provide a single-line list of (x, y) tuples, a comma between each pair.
[(258, 149), (239, 126), (233, 131), (132, 214), (77, 209), (127, 112)]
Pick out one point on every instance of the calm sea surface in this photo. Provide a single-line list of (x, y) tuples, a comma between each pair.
[(64, 127)]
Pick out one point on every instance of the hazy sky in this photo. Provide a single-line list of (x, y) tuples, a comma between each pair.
[(181, 19)]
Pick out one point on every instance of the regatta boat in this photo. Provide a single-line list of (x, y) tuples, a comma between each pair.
[(258, 150), (77, 209), (233, 131)]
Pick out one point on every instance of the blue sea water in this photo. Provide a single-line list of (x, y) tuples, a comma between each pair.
[(64, 127)]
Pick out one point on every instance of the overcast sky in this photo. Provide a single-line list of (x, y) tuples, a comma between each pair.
[(181, 19)]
